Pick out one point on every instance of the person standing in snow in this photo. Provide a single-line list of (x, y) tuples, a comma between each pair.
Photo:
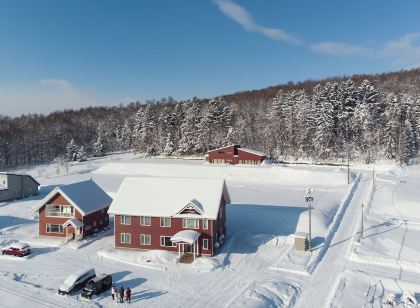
[(128, 295), (114, 294), (121, 295)]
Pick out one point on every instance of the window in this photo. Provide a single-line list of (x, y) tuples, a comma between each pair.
[(165, 241), (101, 222), (54, 228), (94, 223), (126, 238), (145, 221), (87, 227), (125, 220), (205, 224), (57, 210), (205, 244), (145, 239), (165, 221), (190, 223)]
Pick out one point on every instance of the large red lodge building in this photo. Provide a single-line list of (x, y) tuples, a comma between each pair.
[(175, 214), (73, 211), (234, 154)]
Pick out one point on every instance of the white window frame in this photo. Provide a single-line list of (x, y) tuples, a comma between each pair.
[(205, 243), (163, 245), (60, 228), (143, 221), (185, 224), (125, 220), (205, 224), (143, 237), (125, 238), (163, 219)]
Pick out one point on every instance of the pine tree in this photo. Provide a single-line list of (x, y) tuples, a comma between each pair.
[(72, 150), (81, 154), (98, 147), (169, 145)]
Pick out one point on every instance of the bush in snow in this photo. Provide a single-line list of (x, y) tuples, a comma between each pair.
[(72, 150), (98, 148)]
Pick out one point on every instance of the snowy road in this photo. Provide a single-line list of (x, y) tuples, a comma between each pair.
[(320, 287)]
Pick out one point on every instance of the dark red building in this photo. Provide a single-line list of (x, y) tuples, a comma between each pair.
[(175, 214), (73, 211), (234, 154)]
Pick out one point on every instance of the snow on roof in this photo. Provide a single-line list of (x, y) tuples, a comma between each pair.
[(15, 174), (186, 236), (74, 222), (165, 197), (252, 151), (86, 197), (227, 146), (301, 235)]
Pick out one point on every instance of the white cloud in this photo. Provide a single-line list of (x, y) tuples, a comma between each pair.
[(340, 49), (245, 19), (46, 96), (403, 52)]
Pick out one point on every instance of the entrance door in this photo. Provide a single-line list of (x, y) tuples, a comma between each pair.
[(188, 248)]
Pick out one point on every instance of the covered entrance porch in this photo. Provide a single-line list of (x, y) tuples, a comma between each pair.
[(187, 243), (73, 229)]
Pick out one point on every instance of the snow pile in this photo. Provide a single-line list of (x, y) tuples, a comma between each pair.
[(207, 264), (268, 295), (153, 259)]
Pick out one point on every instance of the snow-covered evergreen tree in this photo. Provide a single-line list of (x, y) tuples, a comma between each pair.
[(72, 149), (81, 154), (98, 147)]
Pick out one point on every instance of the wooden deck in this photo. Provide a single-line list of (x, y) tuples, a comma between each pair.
[(187, 258)]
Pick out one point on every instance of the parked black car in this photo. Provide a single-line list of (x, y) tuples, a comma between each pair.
[(96, 286)]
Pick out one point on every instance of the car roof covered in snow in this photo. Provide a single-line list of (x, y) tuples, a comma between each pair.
[(166, 197), (19, 245), (86, 196)]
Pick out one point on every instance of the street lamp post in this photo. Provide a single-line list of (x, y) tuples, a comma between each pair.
[(309, 199)]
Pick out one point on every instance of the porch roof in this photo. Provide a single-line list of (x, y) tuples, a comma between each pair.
[(74, 222), (186, 236)]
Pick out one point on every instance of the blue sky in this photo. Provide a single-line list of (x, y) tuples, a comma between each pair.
[(70, 54)]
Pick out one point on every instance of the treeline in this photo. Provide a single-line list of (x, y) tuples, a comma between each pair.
[(322, 121)]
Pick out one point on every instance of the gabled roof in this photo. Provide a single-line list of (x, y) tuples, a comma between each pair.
[(87, 197), (166, 197), (74, 222), (252, 151)]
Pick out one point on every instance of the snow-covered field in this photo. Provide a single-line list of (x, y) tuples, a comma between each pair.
[(256, 267)]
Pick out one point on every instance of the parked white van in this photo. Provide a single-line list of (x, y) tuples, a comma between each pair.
[(76, 281)]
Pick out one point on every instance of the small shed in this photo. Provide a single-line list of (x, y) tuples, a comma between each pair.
[(301, 241)]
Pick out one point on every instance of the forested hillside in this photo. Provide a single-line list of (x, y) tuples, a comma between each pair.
[(363, 117)]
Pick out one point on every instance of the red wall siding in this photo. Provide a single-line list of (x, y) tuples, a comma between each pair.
[(44, 220), (101, 219), (155, 230), (233, 154), (87, 220)]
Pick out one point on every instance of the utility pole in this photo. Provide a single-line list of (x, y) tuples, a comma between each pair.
[(373, 177), (348, 166), (362, 227), (309, 199)]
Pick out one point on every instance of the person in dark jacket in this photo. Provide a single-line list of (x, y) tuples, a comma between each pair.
[(121, 295), (128, 295)]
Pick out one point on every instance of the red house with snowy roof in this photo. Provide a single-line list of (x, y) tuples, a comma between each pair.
[(234, 154), (73, 211), (183, 215)]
